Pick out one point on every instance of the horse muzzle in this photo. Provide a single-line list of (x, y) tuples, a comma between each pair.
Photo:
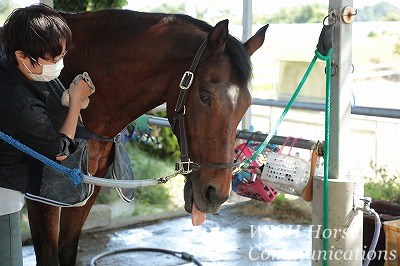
[(204, 195)]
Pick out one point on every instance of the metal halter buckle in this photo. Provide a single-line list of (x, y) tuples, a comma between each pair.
[(117, 138), (186, 80), (184, 167)]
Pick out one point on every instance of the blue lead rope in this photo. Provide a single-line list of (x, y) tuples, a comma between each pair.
[(74, 175)]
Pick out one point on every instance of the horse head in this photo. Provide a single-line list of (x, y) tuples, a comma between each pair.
[(216, 102), (139, 66)]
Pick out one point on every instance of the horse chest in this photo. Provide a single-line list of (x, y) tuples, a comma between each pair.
[(100, 157)]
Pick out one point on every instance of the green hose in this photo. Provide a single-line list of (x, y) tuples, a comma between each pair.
[(325, 221)]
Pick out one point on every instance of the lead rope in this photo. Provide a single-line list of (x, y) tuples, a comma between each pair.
[(76, 176), (262, 146), (325, 204), (323, 52)]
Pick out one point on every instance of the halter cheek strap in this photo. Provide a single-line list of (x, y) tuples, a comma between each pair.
[(186, 165)]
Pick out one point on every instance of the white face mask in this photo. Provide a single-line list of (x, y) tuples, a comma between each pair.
[(49, 72)]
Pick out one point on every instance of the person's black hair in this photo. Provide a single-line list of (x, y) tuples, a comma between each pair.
[(36, 30)]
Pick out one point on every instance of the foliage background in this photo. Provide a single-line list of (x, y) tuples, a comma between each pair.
[(87, 5)]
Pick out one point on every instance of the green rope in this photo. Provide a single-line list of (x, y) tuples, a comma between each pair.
[(325, 221), (262, 146), (248, 161)]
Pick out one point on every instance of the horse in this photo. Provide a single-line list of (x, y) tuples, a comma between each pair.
[(137, 62)]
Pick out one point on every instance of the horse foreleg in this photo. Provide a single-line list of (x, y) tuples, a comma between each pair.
[(71, 223), (43, 222)]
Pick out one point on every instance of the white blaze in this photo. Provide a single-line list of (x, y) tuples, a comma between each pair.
[(233, 93)]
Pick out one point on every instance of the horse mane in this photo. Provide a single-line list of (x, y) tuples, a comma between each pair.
[(234, 48)]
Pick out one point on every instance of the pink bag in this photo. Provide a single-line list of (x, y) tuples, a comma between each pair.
[(248, 182)]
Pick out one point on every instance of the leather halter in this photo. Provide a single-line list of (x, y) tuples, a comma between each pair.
[(186, 165)]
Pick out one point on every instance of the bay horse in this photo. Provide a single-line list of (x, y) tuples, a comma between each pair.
[(136, 61)]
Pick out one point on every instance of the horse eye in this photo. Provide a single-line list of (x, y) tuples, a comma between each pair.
[(205, 99)]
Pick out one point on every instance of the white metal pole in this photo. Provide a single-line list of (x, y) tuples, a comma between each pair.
[(345, 225), (341, 93), (247, 22)]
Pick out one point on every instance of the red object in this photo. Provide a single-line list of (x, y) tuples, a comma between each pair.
[(255, 190)]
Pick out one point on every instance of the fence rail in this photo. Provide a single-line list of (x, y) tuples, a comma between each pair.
[(375, 71), (301, 143), (356, 110), (320, 107)]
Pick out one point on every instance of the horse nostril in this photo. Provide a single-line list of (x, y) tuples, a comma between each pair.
[(211, 194)]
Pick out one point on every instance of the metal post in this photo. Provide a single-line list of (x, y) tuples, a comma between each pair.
[(341, 92), (345, 225), (247, 22), (247, 19)]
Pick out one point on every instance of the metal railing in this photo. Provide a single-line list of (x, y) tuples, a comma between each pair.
[(244, 134), (320, 107), (356, 110), (300, 143)]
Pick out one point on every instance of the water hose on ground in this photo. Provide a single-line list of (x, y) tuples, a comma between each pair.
[(183, 255)]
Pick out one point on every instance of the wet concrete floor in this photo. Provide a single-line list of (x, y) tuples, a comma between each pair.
[(227, 238)]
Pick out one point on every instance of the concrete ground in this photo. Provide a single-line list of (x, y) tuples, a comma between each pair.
[(237, 235)]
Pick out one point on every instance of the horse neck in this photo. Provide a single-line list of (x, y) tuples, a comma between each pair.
[(154, 76)]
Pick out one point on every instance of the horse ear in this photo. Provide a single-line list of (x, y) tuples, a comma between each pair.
[(218, 36), (256, 41)]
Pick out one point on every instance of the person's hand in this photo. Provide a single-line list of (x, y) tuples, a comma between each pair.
[(79, 91)]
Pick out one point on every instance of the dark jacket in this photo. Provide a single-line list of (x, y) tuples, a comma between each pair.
[(23, 115)]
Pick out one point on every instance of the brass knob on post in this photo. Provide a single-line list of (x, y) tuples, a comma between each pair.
[(348, 14)]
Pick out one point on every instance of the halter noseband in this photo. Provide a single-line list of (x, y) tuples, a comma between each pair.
[(185, 165)]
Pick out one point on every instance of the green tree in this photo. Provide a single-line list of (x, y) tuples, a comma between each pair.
[(372, 34), (379, 12), (167, 147), (383, 186), (200, 13), (178, 9), (300, 14), (5, 9), (4, 6), (310, 14), (170, 8), (87, 5), (397, 45), (393, 16), (365, 14), (397, 48)]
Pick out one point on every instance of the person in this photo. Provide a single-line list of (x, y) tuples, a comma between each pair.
[(35, 41)]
